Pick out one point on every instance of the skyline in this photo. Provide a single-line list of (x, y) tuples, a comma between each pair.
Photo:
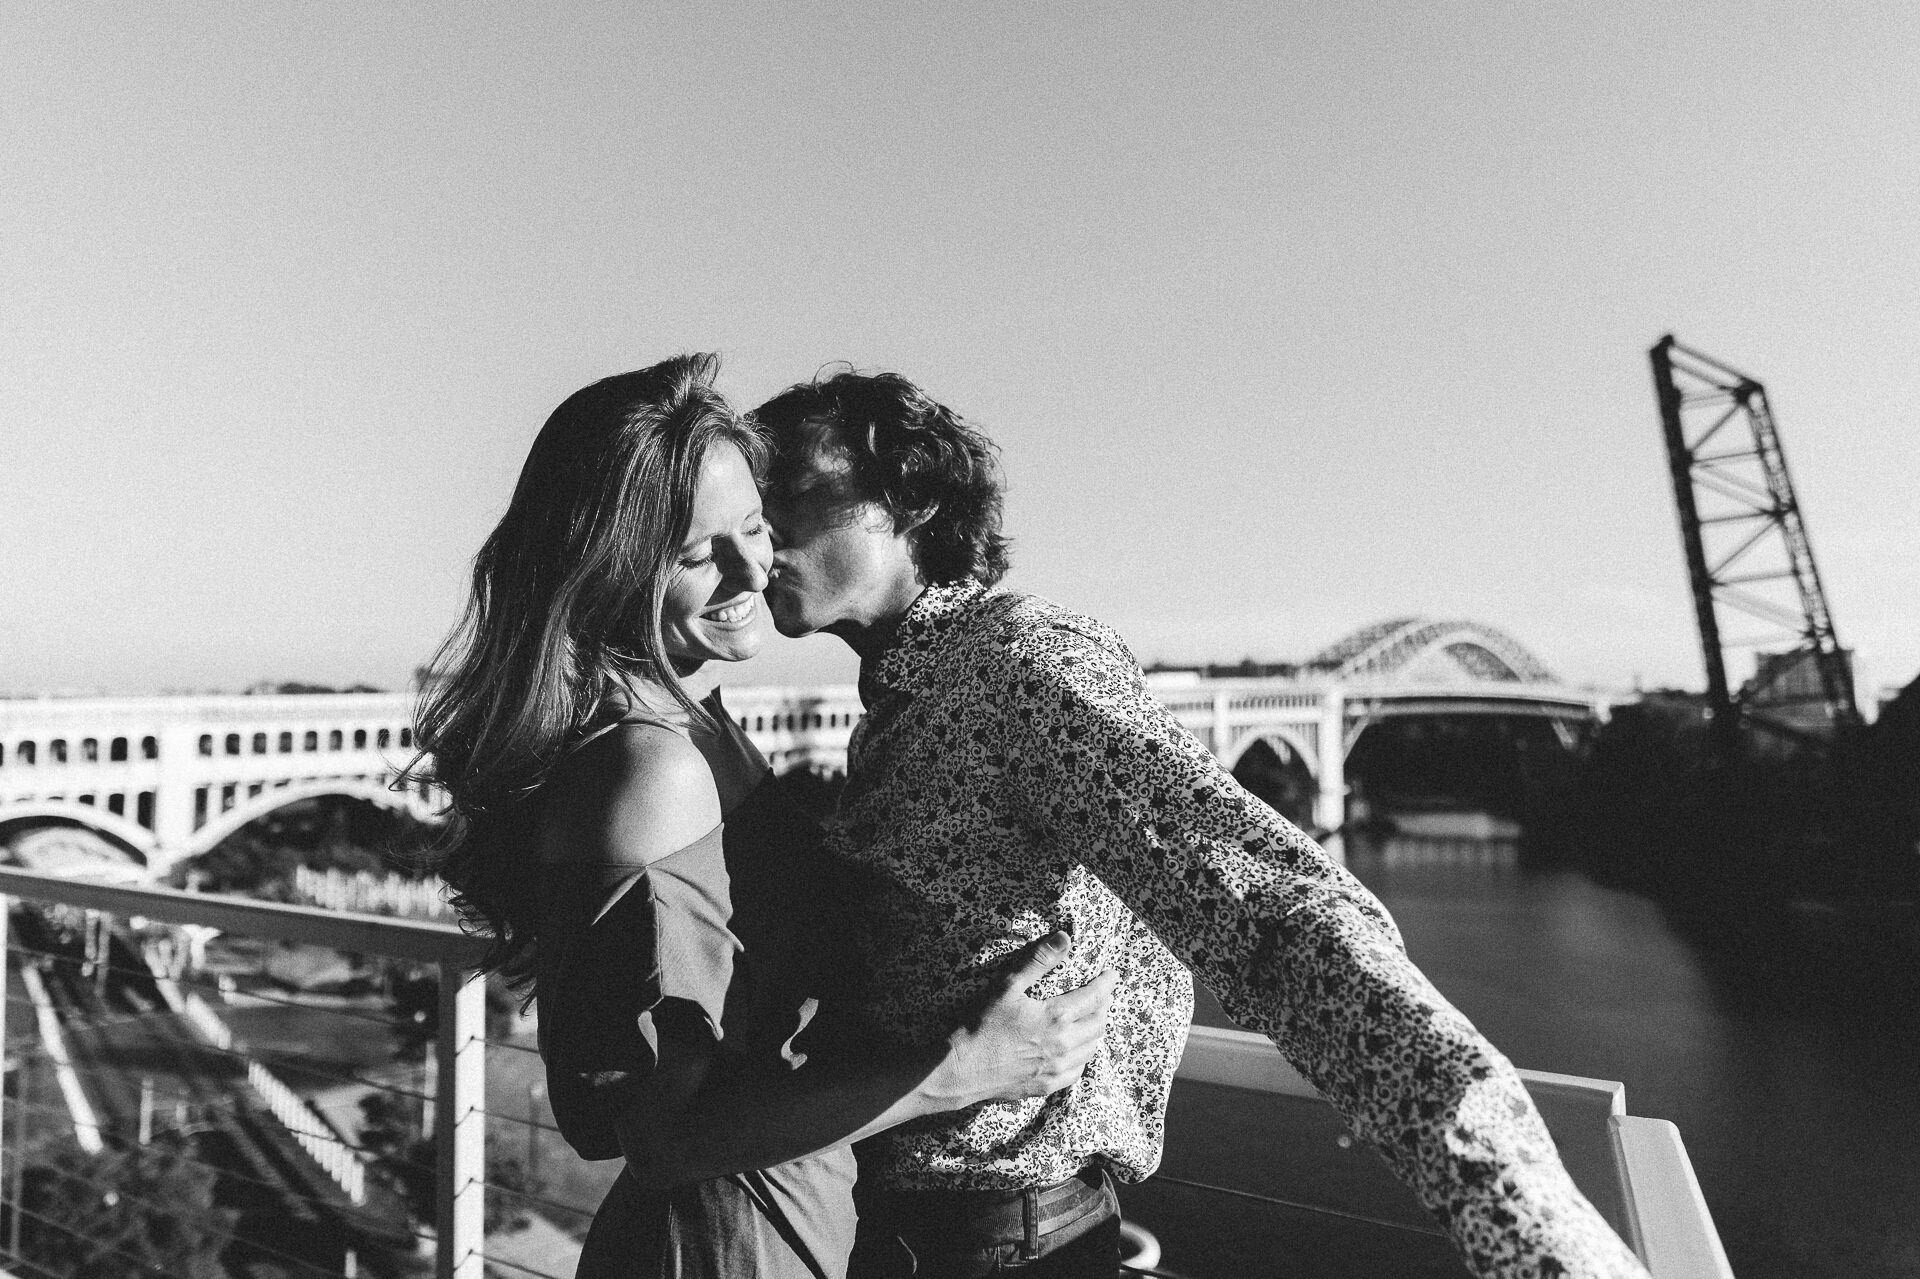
[(1286, 321)]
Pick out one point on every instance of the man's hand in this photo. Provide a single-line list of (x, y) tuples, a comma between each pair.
[(1016, 1046), (705, 1114)]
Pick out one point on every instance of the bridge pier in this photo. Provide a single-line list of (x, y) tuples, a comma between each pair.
[(1330, 803), (173, 795)]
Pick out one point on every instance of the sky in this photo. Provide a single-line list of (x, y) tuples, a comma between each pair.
[(1288, 318)]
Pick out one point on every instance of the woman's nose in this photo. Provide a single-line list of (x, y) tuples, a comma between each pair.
[(747, 564)]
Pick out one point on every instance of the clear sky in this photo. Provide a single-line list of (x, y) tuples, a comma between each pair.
[(1288, 317)]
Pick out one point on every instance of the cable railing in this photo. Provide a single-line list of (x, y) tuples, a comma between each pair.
[(166, 1104), (1244, 1128), (177, 1105)]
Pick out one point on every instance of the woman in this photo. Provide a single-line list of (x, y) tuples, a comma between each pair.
[(619, 844)]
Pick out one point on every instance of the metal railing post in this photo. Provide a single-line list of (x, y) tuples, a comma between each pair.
[(460, 1124), (1330, 802)]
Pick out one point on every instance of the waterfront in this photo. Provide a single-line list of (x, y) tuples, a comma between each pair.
[(1787, 1057)]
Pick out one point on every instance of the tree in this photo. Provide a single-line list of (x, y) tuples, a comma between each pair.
[(322, 833), (388, 1131), (123, 1214)]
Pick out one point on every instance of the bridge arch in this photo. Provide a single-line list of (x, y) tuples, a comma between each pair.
[(1278, 766), (1407, 650), (1286, 736), (274, 798), (134, 837), (1451, 712)]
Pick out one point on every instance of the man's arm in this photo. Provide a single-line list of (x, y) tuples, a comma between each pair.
[(1295, 947)]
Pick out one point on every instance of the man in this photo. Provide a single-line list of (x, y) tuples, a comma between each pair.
[(1012, 775)]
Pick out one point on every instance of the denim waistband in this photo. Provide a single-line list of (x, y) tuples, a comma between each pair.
[(984, 1218)]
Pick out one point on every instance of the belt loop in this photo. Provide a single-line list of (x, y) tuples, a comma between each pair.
[(1030, 1210)]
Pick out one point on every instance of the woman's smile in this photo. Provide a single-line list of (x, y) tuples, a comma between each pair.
[(737, 613)]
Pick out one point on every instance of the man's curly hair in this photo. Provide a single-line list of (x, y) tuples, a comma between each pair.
[(907, 453)]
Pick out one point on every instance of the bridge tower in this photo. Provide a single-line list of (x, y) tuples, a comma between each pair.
[(1744, 539)]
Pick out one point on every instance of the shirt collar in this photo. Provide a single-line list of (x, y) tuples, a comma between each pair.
[(909, 657)]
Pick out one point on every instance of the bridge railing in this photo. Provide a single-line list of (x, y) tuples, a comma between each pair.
[(302, 1089)]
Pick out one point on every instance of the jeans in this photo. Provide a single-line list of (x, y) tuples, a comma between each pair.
[(1087, 1246)]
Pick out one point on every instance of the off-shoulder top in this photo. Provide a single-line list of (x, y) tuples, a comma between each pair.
[(735, 925)]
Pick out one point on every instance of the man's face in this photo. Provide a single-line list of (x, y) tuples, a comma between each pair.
[(839, 565)]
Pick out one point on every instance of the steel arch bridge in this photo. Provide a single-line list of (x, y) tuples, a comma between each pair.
[(1405, 666), (1412, 648)]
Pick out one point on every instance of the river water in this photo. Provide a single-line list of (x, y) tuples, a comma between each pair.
[(1788, 1056)]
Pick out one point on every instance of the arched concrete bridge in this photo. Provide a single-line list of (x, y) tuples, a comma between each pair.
[(169, 777)]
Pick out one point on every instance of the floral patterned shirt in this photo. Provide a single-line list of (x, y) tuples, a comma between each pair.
[(1012, 773)]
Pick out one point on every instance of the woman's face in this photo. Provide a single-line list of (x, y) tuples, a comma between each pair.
[(713, 608)]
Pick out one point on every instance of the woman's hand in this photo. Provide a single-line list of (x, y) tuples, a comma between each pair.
[(1016, 1046)]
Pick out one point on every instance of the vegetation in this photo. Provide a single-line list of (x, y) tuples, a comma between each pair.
[(390, 1131), (296, 686), (326, 832), (1652, 809), (124, 1214), (1889, 774)]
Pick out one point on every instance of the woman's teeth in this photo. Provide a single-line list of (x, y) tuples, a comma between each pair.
[(733, 613)]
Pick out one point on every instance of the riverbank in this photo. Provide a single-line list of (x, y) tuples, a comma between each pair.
[(1777, 827)]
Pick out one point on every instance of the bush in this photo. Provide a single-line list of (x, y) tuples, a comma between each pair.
[(389, 1132), (123, 1214), (323, 833)]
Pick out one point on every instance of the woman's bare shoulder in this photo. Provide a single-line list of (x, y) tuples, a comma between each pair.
[(630, 797)]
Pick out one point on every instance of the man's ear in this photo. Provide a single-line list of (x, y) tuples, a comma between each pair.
[(908, 521)]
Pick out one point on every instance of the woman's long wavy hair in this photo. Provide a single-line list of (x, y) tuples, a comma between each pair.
[(564, 616)]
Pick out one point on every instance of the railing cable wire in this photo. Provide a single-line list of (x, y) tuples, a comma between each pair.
[(539, 1199), (1319, 1209), (172, 1211), (201, 983), (284, 1191), (493, 1259), (146, 1267), (232, 1107)]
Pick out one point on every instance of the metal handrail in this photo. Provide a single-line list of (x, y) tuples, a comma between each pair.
[(459, 1099), (1668, 1222), (388, 935)]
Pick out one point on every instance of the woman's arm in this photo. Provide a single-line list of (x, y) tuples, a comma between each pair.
[(695, 1111), (704, 1114)]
